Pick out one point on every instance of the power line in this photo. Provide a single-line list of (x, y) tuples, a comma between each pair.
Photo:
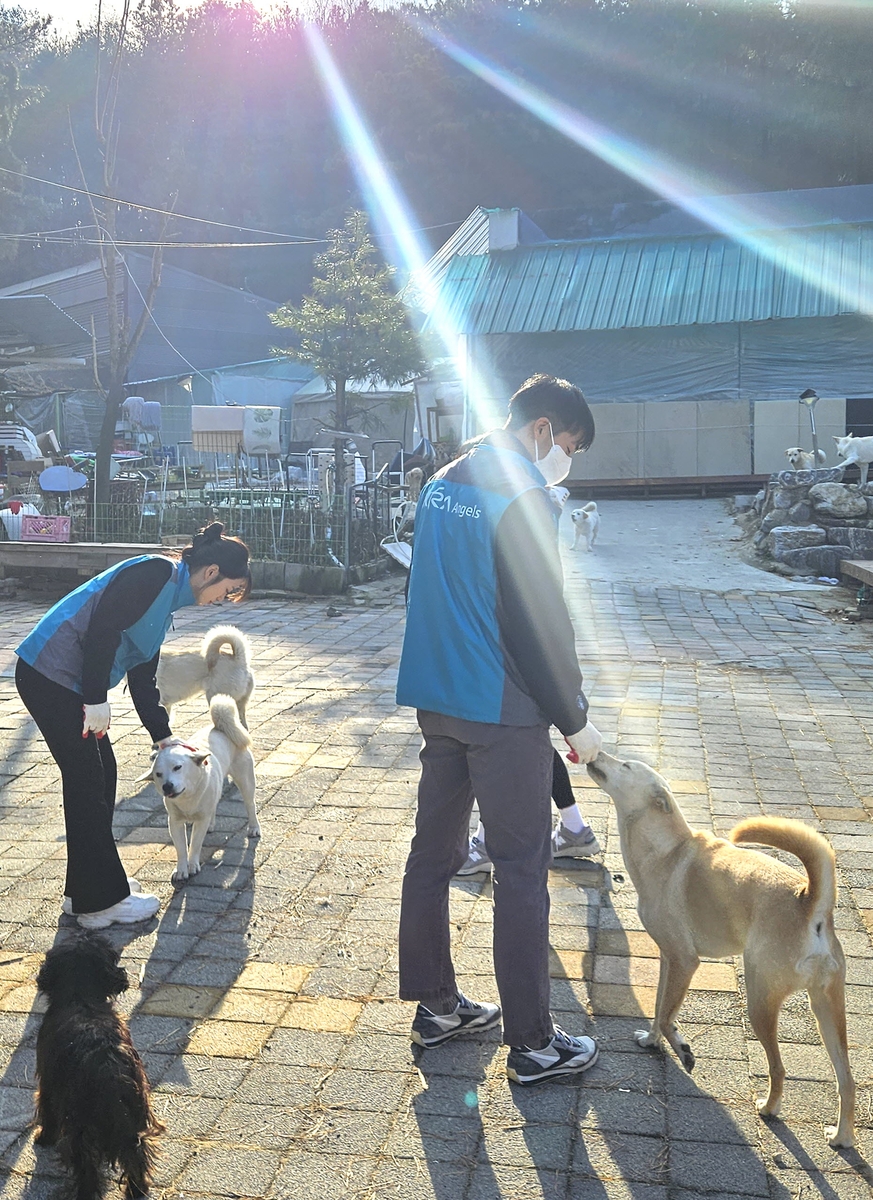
[(163, 212), (290, 238), (48, 238), (175, 349)]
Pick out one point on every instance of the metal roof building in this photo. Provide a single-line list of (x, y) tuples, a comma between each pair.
[(698, 343)]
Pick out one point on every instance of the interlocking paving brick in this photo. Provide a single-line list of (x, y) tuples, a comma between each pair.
[(263, 999), (324, 1013)]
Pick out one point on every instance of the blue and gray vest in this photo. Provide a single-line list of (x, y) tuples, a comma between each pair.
[(55, 646), (453, 661)]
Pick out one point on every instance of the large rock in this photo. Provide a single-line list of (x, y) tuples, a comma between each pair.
[(800, 513), (852, 538), (837, 500), (804, 479), (784, 497), (817, 560), (773, 518), (794, 537)]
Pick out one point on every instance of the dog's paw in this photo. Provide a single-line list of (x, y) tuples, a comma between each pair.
[(846, 1142), (766, 1109), (45, 1138), (254, 830), (193, 867), (647, 1039), (686, 1057), (179, 878)]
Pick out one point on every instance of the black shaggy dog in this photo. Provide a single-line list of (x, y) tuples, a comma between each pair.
[(93, 1098)]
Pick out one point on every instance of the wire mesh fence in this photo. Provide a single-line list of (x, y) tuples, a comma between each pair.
[(307, 525)]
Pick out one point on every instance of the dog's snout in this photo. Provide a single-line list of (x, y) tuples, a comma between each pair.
[(168, 789)]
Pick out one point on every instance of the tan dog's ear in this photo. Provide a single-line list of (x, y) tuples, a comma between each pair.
[(662, 796), (200, 759)]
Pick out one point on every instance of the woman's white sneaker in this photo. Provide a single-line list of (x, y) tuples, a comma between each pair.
[(138, 906), (67, 903)]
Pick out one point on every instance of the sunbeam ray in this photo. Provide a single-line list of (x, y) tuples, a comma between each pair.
[(748, 222), (386, 204)]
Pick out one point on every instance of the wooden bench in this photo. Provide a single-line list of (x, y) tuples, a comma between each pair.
[(700, 485), (860, 569), (86, 558)]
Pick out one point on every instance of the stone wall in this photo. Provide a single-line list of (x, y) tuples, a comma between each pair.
[(810, 520)]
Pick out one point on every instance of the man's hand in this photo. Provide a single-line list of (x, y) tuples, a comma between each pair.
[(587, 743), (168, 741), (97, 718)]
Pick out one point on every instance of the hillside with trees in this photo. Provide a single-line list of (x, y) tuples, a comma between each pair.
[(221, 113)]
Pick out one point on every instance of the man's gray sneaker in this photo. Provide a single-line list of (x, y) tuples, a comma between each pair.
[(478, 862), (566, 844), (429, 1029), (563, 1055)]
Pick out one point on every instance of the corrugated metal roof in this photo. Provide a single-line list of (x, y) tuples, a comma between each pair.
[(636, 282), (41, 321)]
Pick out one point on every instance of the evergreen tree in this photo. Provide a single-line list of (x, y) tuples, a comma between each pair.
[(352, 326)]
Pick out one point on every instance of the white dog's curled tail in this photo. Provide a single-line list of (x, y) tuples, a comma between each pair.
[(822, 457), (225, 635), (804, 843), (225, 718)]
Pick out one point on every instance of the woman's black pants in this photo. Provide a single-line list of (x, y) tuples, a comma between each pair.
[(96, 878)]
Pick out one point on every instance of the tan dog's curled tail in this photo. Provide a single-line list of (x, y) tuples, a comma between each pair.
[(225, 718), (804, 843), (225, 635)]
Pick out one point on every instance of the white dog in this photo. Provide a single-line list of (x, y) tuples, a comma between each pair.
[(191, 777), (803, 460), (183, 673), (586, 522), (706, 897), (856, 450)]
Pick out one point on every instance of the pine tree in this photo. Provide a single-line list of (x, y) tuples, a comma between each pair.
[(353, 325)]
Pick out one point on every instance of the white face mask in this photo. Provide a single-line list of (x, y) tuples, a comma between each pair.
[(555, 465)]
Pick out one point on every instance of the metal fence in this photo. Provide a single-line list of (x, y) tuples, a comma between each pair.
[(306, 525)]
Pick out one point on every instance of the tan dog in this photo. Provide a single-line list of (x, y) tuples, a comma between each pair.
[(803, 460), (702, 897)]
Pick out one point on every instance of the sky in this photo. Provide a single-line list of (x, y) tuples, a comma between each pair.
[(65, 13)]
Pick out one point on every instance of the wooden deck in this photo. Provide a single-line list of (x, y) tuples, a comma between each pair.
[(858, 568), (86, 558)]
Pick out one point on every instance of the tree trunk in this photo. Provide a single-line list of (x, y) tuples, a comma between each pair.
[(339, 458), (105, 446)]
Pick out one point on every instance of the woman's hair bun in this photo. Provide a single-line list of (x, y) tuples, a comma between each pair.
[(209, 534)]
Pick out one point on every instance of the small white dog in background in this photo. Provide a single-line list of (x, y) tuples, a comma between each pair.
[(191, 777), (803, 460), (183, 673), (855, 450), (586, 522)]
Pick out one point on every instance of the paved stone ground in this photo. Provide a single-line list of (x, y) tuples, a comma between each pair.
[(264, 998)]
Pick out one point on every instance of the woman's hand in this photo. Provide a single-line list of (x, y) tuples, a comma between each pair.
[(97, 718)]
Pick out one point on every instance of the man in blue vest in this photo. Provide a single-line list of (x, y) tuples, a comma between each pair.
[(489, 661)]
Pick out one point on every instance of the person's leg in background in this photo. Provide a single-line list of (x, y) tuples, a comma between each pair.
[(573, 837)]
